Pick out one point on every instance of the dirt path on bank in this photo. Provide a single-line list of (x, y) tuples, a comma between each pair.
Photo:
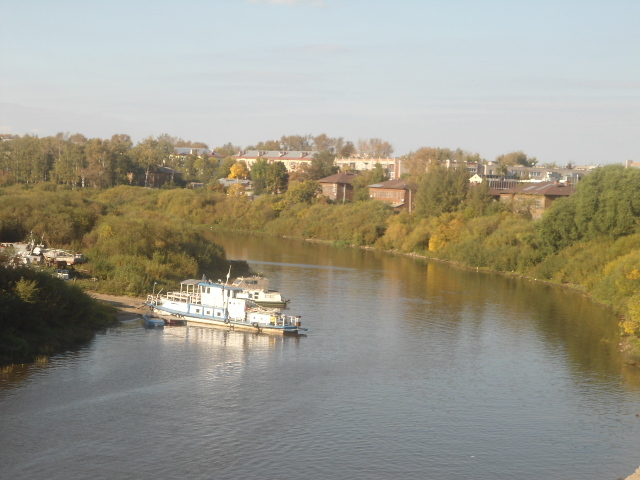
[(128, 307)]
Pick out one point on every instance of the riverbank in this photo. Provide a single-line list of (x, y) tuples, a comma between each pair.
[(127, 307), (634, 476)]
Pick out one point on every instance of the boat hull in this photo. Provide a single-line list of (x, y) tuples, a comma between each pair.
[(226, 322)]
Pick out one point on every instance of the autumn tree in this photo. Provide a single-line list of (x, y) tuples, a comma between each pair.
[(515, 158), (297, 142), (374, 148), (303, 192), (120, 163), (227, 150), (322, 165), (148, 155), (224, 169), (237, 190), (239, 170), (418, 163), (346, 149), (266, 145), (96, 171)]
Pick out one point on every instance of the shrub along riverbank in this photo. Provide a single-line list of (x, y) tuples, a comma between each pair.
[(134, 237), (41, 315)]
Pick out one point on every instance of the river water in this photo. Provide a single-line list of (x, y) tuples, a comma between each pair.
[(410, 370)]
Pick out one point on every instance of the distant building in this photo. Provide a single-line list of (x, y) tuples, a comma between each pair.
[(228, 182), (395, 192), (161, 175), (632, 164), (180, 154), (392, 166), (338, 187), (291, 159), (537, 197)]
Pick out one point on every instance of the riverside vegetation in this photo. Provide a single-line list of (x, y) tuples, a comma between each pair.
[(136, 237)]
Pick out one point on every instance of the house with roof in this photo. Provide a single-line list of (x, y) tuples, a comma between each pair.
[(161, 175), (397, 193), (229, 182), (338, 187), (180, 154), (536, 197)]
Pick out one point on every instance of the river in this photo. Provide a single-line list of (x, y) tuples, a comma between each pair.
[(410, 369)]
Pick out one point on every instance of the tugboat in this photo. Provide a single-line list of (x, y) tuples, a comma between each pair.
[(209, 303)]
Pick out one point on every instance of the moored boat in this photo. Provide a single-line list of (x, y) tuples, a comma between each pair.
[(151, 321), (256, 289), (209, 303)]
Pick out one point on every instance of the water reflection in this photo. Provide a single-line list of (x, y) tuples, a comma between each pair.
[(430, 297)]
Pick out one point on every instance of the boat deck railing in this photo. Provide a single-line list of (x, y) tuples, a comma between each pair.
[(194, 298), (280, 319)]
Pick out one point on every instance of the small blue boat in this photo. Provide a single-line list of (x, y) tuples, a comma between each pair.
[(151, 321)]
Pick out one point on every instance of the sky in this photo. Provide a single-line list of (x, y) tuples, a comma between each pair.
[(559, 80)]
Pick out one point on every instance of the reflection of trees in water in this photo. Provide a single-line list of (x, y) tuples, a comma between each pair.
[(427, 294)]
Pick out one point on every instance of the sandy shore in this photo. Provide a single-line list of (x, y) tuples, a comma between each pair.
[(128, 307), (634, 476)]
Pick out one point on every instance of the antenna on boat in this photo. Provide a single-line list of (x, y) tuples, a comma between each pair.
[(228, 275)]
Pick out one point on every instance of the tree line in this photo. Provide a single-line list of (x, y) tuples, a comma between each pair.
[(77, 161), (94, 162)]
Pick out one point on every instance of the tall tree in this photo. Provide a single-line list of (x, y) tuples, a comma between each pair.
[(322, 165), (224, 169), (297, 142), (277, 178), (120, 162), (516, 158), (442, 190), (239, 170), (148, 155), (375, 148), (227, 150)]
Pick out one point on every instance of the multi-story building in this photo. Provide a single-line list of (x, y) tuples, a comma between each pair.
[(393, 166), (291, 159)]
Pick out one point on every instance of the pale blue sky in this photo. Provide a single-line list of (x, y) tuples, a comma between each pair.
[(559, 80)]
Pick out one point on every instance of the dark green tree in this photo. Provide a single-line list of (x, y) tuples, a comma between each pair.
[(361, 183), (277, 178), (322, 165), (442, 190)]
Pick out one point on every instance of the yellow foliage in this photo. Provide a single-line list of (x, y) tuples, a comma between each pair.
[(106, 231), (237, 189), (238, 170), (448, 229), (633, 274), (27, 290), (631, 324)]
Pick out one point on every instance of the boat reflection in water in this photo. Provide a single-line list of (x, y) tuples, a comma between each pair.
[(212, 336)]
